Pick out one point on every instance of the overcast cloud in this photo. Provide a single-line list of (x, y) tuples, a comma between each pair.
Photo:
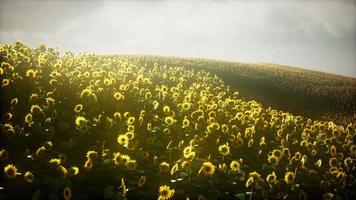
[(319, 35)]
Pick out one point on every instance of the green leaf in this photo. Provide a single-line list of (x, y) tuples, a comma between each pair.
[(240, 196)]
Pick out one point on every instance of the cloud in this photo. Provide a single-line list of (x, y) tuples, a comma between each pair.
[(318, 35)]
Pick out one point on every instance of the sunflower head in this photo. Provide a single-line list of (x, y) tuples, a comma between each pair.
[(235, 165), (224, 149), (165, 192), (123, 139), (164, 167), (10, 171), (289, 177), (207, 169)]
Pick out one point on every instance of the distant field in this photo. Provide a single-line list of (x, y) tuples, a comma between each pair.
[(314, 94)]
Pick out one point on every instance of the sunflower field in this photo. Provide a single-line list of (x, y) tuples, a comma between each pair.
[(112, 127)]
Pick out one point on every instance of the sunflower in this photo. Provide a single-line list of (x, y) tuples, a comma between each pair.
[(131, 128), (174, 169), (117, 159), (35, 109), (73, 171), (123, 139), (165, 192), (255, 175), (92, 155), (166, 109), (130, 120), (207, 169), (164, 167), (131, 164), (55, 161), (186, 106), (67, 193), (249, 182), (141, 181), (235, 165), (189, 156), (271, 178), (125, 159), (169, 120), (274, 160), (224, 149), (28, 177), (4, 155), (62, 170), (224, 128), (79, 121), (78, 108), (28, 118), (277, 153), (185, 123), (289, 177), (5, 82), (130, 135)]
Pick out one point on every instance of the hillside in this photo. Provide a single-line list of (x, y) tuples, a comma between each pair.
[(304, 92), (114, 127)]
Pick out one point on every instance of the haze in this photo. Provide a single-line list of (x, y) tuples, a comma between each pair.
[(318, 35)]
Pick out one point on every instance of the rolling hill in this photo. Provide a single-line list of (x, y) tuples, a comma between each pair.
[(147, 127)]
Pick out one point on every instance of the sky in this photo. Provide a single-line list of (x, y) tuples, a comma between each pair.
[(318, 35)]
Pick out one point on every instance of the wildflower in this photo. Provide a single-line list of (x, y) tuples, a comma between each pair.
[(28, 118), (130, 120), (55, 161), (164, 167), (333, 162), (174, 169), (131, 164), (78, 108), (207, 169), (271, 178), (165, 192), (5, 82), (130, 135), (274, 160), (31, 73), (185, 123), (141, 181), (28, 177), (4, 155), (224, 128), (224, 149), (235, 165), (125, 159), (256, 176), (166, 109), (10, 171), (123, 139), (35, 109), (277, 153), (72, 171), (186, 106), (169, 120), (79, 121), (67, 193), (289, 177), (92, 155), (117, 159), (249, 182)]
